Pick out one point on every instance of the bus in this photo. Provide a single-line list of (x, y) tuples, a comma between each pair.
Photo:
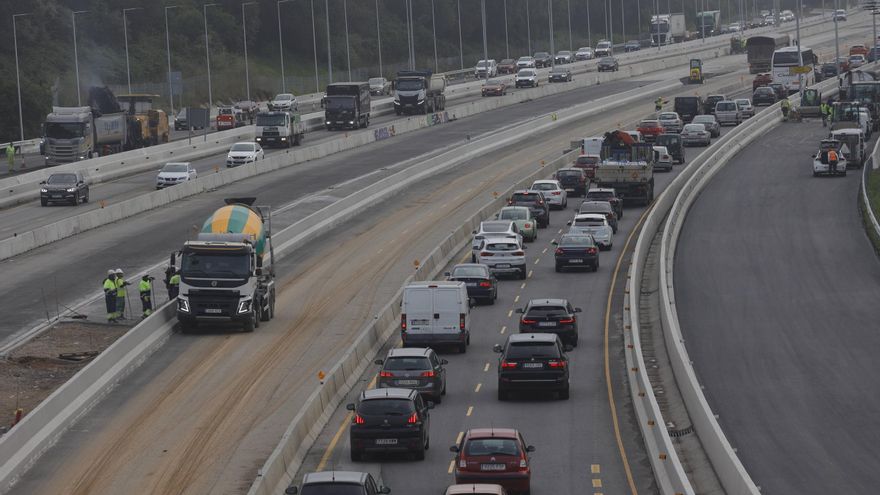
[(759, 50), (785, 60)]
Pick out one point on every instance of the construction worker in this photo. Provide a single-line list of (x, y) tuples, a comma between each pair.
[(174, 285), (825, 110), (110, 295), (10, 157), (832, 160), (120, 293), (145, 288), (786, 106), (658, 104)]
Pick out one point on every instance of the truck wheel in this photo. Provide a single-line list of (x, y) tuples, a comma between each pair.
[(266, 315), (250, 324)]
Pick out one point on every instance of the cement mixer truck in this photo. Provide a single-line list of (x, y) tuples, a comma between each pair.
[(227, 274)]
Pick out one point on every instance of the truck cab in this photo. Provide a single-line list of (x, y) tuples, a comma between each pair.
[(347, 105), (283, 129), (419, 91), (68, 135)]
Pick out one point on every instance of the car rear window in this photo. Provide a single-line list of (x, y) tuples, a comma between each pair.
[(407, 363), (334, 488), (589, 222), (576, 241), (544, 186), (569, 173), (513, 215), (470, 271), (547, 311), (386, 407), (61, 179), (491, 446), (502, 246), (725, 106), (600, 195), (595, 207), (524, 197), (495, 227), (588, 160), (649, 123), (665, 139), (527, 350)]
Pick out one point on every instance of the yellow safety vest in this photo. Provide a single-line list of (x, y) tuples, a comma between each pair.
[(109, 285), (145, 286), (120, 287)]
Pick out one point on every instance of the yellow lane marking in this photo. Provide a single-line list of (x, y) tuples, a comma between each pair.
[(486, 368), (478, 387), (459, 437), (597, 483), (611, 403), (470, 411), (595, 469), (451, 466), (334, 441)]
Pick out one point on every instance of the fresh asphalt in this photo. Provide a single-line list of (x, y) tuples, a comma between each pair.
[(777, 286)]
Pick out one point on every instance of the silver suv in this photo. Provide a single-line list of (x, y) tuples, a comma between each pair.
[(416, 368), (503, 255), (728, 112)]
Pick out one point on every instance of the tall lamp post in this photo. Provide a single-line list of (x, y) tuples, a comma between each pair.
[(485, 46), (379, 37), (434, 31), (17, 79), (125, 32), (247, 74), (347, 50), (281, 42), (329, 54), (208, 59), (76, 56), (168, 55), (460, 46), (552, 34)]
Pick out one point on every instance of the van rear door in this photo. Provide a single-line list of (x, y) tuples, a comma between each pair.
[(448, 309), (418, 310)]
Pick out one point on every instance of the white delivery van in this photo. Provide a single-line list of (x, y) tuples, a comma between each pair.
[(435, 313)]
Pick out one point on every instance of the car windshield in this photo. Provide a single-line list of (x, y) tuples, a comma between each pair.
[(507, 61), (61, 179), (339, 103), (469, 271), (667, 139), (526, 350), (386, 407), (576, 241), (242, 147), (58, 130), (544, 186), (284, 97), (559, 70), (514, 214), (264, 120), (744, 103), (547, 311), (525, 59), (209, 265), (668, 116), (542, 55), (649, 123), (703, 119), (526, 73), (377, 81), (174, 167), (587, 160), (491, 446), (726, 106), (409, 84), (603, 44), (607, 60), (493, 82), (224, 111), (334, 488), (569, 173), (407, 364), (481, 64)]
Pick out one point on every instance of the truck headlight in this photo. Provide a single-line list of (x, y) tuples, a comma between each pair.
[(182, 305), (284, 139), (71, 189), (259, 139), (44, 190), (244, 306)]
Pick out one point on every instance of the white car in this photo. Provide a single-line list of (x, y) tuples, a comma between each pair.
[(526, 77), (857, 60), (284, 102), (670, 121), (603, 48), (493, 228), (175, 173), (584, 53), (553, 191), (525, 63), (244, 153), (695, 134), (662, 159), (595, 225), (838, 15), (745, 107), (820, 159), (484, 66), (503, 255)]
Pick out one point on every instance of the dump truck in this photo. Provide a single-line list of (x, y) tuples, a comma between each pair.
[(283, 129), (227, 274), (419, 91), (627, 166), (347, 105)]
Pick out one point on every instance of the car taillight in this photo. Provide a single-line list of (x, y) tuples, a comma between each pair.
[(556, 193), (609, 216), (541, 202), (556, 364), (428, 374), (403, 322), (485, 284), (386, 374), (559, 251), (523, 464), (519, 253), (567, 321), (413, 419), (527, 321), (527, 225), (507, 365), (509, 202), (358, 419), (486, 253), (591, 250), (461, 321)]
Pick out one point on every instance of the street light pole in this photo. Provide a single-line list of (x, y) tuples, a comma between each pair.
[(570, 46), (329, 54), (247, 75), (208, 59), (552, 35), (315, 45), (589, 29), (379, 38), (460, 46), (281, 42), (434, 30), (347, 46), (76, 56), (528, 27), (485, 45), (125, 33), (17, 79), (506, 39), (168, 54)]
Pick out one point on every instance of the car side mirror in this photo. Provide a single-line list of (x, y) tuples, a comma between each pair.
[(385, 489), (380, 362), (474, 231), (568, 348), (518, 310), (530, 448), (447, 274), (567, 223), (42, 183), (577, 310), (443, 361), (555, 243), (430, 405), (497, 348), (350, 407), (291, 490)]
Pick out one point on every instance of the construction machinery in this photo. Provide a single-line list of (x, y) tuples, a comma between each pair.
[(154, 122)]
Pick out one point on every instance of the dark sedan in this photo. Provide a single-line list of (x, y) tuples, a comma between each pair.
[(560, 74), (533, 362), (632, 46), (543, 59), (494, 87), (608, 64), (573, 180), (764, 96), (64, 187), (576, 251), (481, 283), (550, 316)]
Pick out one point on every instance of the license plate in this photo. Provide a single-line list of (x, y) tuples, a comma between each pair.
[(502, 265), (533, 365), (407, 382), (56, 196), (213, 311), (471, 284), (569, 189), (547, 324), (492, 467), (386, 441), (575, 261), (418, 322)]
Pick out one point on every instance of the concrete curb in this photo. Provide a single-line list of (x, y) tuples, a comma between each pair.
[(875, 160)]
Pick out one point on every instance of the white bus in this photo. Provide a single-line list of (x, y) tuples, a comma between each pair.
[(785, 60)]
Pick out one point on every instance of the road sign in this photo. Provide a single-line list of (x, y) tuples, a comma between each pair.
[(806, 69)]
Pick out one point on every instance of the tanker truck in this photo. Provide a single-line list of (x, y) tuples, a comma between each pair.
[(227, 274)]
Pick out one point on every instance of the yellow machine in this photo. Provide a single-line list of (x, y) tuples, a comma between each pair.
[(154, 122), (696, 73)]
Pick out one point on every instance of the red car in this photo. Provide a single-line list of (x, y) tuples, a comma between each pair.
[(507, 66), (588, 163), (650, 129), (762, 79), (494, 455)]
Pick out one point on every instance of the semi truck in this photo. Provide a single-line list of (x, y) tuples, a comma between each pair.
[(627, 166), (347, 105), (227, 274), (708, 21), (667, 28), (283, 129), (419, 91)]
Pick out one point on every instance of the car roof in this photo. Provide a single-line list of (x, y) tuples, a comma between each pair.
[(495, 432), (525, 191), (546, 181), (338, 476), (571, 169), (176, 163), (434, 283), (485, 223), (409, 352), (388, 393), (661, 149), (244, 142), (548, 301), (531, 337), (845, 132), (474, 488)]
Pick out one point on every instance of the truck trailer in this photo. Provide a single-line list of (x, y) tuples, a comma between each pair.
[(347, 105), (227, 274), (667, 28), (419, 91)]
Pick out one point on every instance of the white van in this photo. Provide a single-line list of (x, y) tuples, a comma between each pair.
[(435, 313)]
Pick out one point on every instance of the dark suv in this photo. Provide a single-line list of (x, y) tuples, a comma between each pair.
[(64, 187), (389, 420), (536, 202), (711, 100), (573, 180), (543, 59), (576, 251), (533, 362), (601, 207), (673, 146), (606, 194), (413, 367), (348, 482), (550, 316)]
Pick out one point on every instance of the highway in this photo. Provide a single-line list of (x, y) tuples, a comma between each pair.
[(777, 288)]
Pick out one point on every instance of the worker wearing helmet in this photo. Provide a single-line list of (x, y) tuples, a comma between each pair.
[(658, 104), (110, 291), (786, 106), (120, 293), (145, 288)]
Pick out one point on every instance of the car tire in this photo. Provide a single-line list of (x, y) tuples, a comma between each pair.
[(44, 202), (86, 198), (558, 268), (596, 266), (443, 392), (523, 274), (76, 199), (462, 348), (249, 325)]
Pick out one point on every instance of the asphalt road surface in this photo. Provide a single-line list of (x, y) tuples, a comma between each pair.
[(777, 288)]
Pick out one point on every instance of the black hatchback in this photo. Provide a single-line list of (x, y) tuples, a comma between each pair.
[(764, 96), (573, 180), (533, 362), (576, 251), (673, 146), (389, 420), (550, 316), (481, 283), (536, 202)]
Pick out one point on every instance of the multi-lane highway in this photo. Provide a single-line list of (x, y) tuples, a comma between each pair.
[(776, 289)]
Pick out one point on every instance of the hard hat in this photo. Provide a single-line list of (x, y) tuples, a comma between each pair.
[(111, 272), (119, 271)]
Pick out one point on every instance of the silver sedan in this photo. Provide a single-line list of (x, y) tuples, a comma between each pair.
[(695, 134), (710, 123)]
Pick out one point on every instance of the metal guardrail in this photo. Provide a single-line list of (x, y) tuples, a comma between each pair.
[(875, 162)]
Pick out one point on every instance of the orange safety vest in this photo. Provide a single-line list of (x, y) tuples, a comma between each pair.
[(832, 156)]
